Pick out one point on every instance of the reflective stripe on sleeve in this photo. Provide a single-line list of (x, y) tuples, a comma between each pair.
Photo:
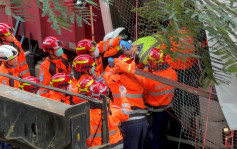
[(162, 92), (134, 95), (25, 72), (23, 63), (110, 43), (105, 43), (125, 105), (99, 134), (117, 95), (4, 82), (138, 111), (128, 95)]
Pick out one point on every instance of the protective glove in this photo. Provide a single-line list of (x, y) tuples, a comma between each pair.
[(125, 45), (122, 90), (111, 62), (121, 66)]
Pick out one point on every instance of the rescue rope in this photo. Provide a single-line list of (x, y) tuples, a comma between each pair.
[(208, 109), (181, 131), (136, 34)]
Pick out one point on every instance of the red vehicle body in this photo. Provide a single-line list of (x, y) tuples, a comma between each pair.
[(38, 27)]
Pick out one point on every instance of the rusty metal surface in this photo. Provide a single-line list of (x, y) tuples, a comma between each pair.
[(31, 121), (53, 88), (193, 90)]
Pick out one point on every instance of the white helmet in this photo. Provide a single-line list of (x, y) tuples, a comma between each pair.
[(7, 52), (115, 33)]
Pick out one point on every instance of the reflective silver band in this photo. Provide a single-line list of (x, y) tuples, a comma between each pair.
[(99, 134), (162, 92)]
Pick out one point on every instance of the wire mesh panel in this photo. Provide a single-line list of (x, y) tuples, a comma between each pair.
[(189, 57)]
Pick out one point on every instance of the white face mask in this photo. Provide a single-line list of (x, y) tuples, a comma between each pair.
[(96, 52)]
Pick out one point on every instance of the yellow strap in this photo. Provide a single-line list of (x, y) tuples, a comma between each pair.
[(129, 68), (57, 80), (7, 34), (81, 48), (92, 49), (118, 48), (83, 89), (80, 62), (87, 85), (126, 59)]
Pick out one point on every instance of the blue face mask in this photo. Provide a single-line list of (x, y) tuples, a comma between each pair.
[(93, 70), (59, 52)]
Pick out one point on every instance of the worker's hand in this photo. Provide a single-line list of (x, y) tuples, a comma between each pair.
[(121, 66), (124, 45), (111, 62), (122, 90)]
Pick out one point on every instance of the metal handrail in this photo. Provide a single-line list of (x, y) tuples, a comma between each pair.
[(53, 88)]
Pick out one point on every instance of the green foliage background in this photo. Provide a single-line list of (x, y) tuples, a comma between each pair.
[(218, 19)]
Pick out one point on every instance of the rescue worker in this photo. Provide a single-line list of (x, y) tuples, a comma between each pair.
[(87, 46), (116, 116), (113, 45), (158, 96), (82, 66), (82, 88), (55, 63), (62, 81), (9, 66), (135, 128), (7, 38), (29, 87), (140, 49)]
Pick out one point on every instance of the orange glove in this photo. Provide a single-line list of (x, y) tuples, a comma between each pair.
[(121, 66)]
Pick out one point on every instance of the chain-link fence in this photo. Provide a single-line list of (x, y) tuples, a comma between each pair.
[(191, 110)]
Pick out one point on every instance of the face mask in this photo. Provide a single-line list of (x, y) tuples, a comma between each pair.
[(37, 93), (59, 52), (96, 52)]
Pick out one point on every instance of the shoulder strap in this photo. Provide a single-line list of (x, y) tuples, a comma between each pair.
[(52, 68)]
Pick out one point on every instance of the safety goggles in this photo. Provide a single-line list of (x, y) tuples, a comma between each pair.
[(60, 43), (11, 30)]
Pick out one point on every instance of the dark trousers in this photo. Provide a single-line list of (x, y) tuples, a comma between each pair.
[(134, 134), (4, 145), (159, 129)]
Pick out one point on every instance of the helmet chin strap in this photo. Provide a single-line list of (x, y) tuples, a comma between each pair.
[(9, 66)]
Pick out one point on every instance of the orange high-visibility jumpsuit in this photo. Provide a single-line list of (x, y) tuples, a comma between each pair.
[(119, 114), (15, 72), (23, 66), (51, 67)]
